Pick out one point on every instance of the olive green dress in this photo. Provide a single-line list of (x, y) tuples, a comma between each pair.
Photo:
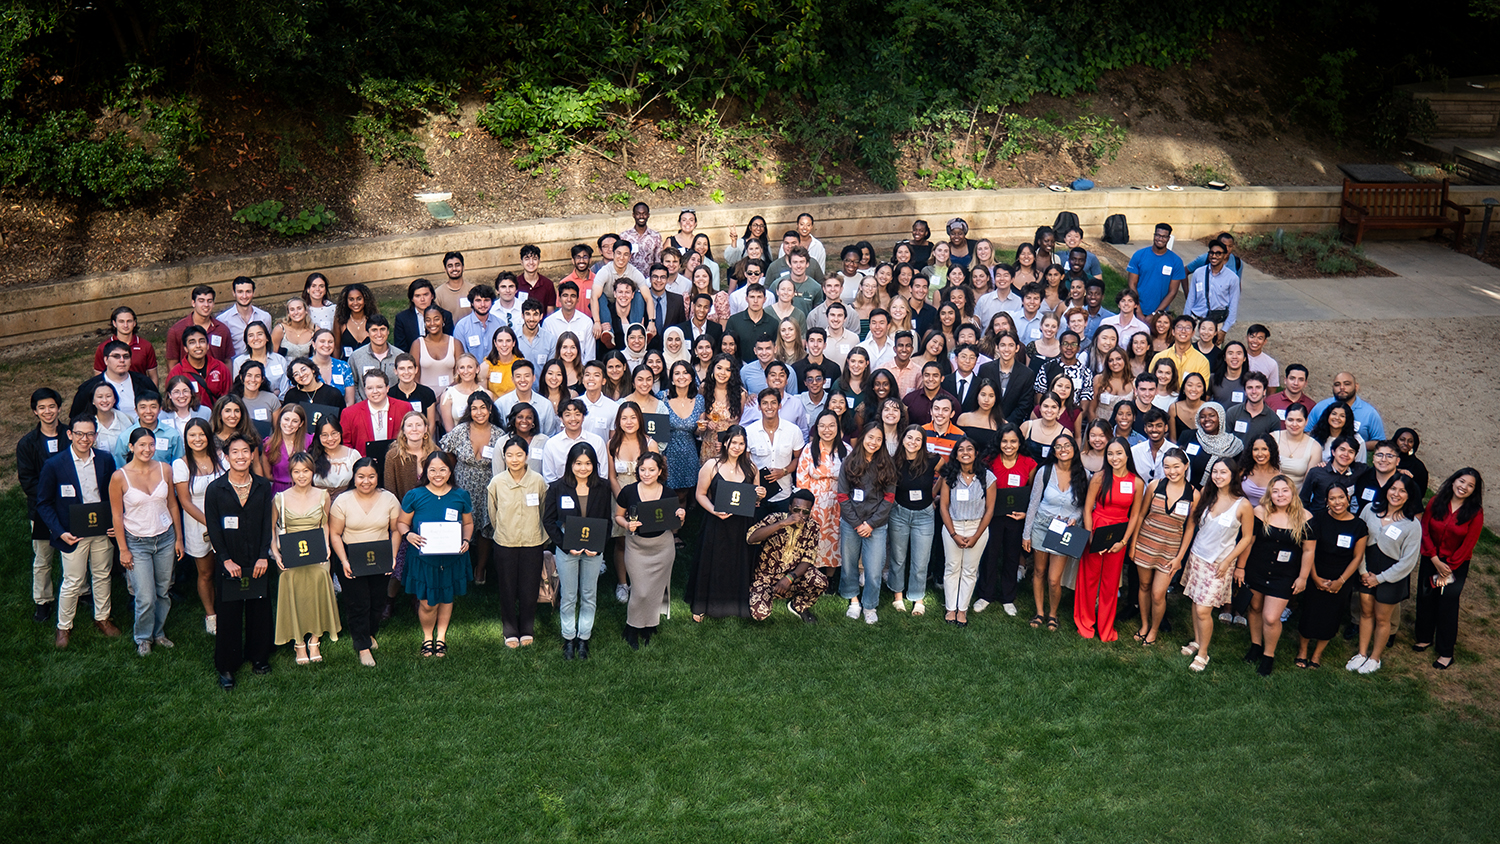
[(305, 603)]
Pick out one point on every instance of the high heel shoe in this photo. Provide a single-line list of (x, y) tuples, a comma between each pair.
[(312, 651)]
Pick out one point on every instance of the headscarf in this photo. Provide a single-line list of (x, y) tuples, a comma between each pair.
[(1222, 444), (686, 355)]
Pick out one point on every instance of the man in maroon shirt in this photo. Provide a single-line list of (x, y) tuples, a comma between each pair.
[(536, 286), (209, 377), (220, 343), (1293, 383)]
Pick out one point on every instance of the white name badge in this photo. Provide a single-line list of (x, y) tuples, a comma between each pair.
[(520, 295), (1166, 270), (1046, 451), (960, 495), (161, 443), (348, 350), (497, 377), (166, 520), (932, 448), (844, 348), (1393, 532), (532, 499), (1126, 487), (915, 495), (1241, 427), (450, 515), (463, 302), (1237, 396), (231, 522), (1181, 509), (487, 452), (275, 371), (1058, 526), (338, 379), (1345, 541), (1368, 494), (1193, 449), (1200, 287), (566, 502), (416, 406), (52, 446), (215, 340), (443, 380), (1012, 480), (194, 385), (1281, 414), (1349, 491), (859, 495), (473, 339), (1356, 426), (68, 491), (1283, 556)]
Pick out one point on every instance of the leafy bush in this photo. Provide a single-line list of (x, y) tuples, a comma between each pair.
[(268, 216), (391, 109), (551, 120), (61, 155)]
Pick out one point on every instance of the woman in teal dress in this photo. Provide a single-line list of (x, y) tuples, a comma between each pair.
[(436, 579)]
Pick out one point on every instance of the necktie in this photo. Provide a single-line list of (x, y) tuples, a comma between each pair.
[(963, 389), (508, 321)]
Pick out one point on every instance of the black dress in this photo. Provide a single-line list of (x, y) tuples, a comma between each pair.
[(1321, 610), (1275, 561), (719, 582)]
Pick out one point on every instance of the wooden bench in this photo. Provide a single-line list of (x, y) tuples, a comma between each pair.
[(1375, 205)]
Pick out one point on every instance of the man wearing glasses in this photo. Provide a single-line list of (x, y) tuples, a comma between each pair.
[(1214, 290), (117, 374), (788, 561)]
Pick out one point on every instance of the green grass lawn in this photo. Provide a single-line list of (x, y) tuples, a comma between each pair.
[(736, 731)]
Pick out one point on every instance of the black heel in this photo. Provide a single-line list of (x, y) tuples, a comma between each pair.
[(633, 637), (1267, 663)]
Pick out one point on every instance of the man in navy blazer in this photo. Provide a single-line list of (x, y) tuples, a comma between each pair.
[(79, 475), (409, 326)]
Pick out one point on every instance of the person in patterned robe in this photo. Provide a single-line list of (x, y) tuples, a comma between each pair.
[(788, 561)]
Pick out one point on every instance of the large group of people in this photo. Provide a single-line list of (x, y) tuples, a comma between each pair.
[(896, 427)]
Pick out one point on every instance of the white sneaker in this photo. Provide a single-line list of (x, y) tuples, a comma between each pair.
[(622, 592), (898, 605), (1355, 662), (853, 611), (1010, 609), (1286, 614), (980, 604), (870, 617), (1226, 617), (1241, 621), (1370, 666), (211, 624)]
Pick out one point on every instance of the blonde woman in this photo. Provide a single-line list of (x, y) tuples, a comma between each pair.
[(293, 336), (305, 606), (1276, 568), (456, 397), (789, 348)]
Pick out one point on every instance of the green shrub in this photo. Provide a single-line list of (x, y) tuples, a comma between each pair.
[(390, 111), (268, 215), (549, 121)]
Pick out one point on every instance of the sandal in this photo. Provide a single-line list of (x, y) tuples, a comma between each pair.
[(526, 640), (1035, 622), (1300, 662), (1148, 642), (313, 653), (1189, 649), (1139, 636), (301, 651), (697, 618), (427, 648), (1199, 663), (1052, 623), (439, 648), (1314, 665), (513, 643)]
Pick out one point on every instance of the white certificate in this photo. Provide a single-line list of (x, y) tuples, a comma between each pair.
[(442, 537)]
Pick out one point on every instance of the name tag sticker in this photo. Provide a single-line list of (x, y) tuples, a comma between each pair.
[(1283, 556), (215, 340), (859, 495), (1193, 448), (416, 406), (473, 339), (1356, 426), (1012, 480), (1281, 414), (960, 495), (231, 522), (444, 380), (566, 502), (338, 379), (1345, 541), (1166, 270), (1241, 427), (68, 491), (1393, 532), (932, 448), (463, 302), (844, 348), (497, 377), (915, 495), (1058, 526), (194, 385), (1046, 451), (487, 452), (161, 443), (1237, 396), (1368, 494), (52, 446), (348, 350), (166, 520), (450, 515), (1126, 487), (275, 371), (532, 499), (1181, 509)]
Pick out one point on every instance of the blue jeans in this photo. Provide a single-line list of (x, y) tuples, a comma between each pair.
[(579, 582), (910, 540), (153, 558), (851, 548)]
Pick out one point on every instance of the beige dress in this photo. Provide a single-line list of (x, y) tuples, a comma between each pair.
[(305, 604)]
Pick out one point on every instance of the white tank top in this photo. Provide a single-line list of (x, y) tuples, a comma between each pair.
[(1217, 535), (146, 512)]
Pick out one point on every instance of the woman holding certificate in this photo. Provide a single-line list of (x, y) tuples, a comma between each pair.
[(649, 548), (305, 606), (719, 583), (580, 494), (362, 527), (437, 520)]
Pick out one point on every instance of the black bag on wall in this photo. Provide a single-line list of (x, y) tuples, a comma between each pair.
[(1115, 230)]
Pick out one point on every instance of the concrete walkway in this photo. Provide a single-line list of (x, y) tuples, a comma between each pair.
[(1431, 281)]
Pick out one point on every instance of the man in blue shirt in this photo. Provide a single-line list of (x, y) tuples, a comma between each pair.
[(1214, 291), (1367, 421), (1234, 262), (1155, 272)]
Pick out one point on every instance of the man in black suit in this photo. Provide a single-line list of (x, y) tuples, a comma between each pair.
[(117, 374), (410, 327), (1013, 380), (669, 307), (963, 383), (699, 324)]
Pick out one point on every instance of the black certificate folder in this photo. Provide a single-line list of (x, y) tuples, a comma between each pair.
[(89, 519), (585, 534), (736, 499), (243, 588), (303, 548), (366, 558), (658, 515)]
